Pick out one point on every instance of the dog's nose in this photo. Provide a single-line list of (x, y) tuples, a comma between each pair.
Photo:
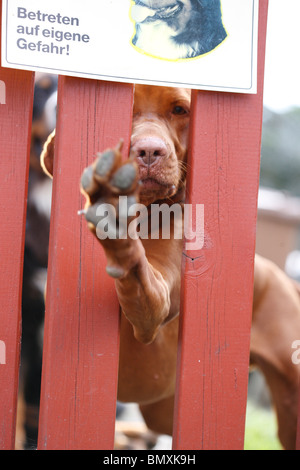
[(149, 150)]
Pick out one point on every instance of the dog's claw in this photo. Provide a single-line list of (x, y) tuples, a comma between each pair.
[(81, 212)]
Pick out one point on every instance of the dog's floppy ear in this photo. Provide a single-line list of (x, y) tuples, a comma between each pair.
[(47, 155)]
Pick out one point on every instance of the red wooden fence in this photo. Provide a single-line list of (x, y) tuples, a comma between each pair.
[(15, 118), (15, 125), (79, 385), (80, 364)]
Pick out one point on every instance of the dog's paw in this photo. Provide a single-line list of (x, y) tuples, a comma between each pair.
[(103, 183)]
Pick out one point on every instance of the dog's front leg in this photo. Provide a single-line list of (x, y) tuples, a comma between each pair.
[(143, 291), (144, 296)]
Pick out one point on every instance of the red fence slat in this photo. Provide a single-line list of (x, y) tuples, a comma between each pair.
[(217, 280), (15, 123), (298, 426), (80, 361)]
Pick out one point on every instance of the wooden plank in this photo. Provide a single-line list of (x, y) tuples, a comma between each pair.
[(81, 339), (16, 99), (218, 279)]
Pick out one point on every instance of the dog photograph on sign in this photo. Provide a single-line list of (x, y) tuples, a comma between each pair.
[(177, 30)]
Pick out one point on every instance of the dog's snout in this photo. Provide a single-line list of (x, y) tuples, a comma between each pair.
[(149, 150)]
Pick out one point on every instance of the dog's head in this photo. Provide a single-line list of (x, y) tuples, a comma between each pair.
[(159, 139), (158, 143)]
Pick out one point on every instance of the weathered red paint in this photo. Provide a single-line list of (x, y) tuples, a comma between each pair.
[(81, 340), (15, 125), (217, 281)]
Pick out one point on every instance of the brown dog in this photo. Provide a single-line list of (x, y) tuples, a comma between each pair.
[(147, 271)]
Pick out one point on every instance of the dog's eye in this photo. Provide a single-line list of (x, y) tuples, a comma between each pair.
[(179, 110)]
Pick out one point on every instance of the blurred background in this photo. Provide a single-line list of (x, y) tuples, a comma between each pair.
[(279, 204)]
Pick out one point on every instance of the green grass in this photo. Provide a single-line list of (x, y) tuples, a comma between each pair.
[(261, 429)]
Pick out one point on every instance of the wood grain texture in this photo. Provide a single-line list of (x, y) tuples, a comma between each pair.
[(298, 427), (15, 125), (81, 339), (217, 281)]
